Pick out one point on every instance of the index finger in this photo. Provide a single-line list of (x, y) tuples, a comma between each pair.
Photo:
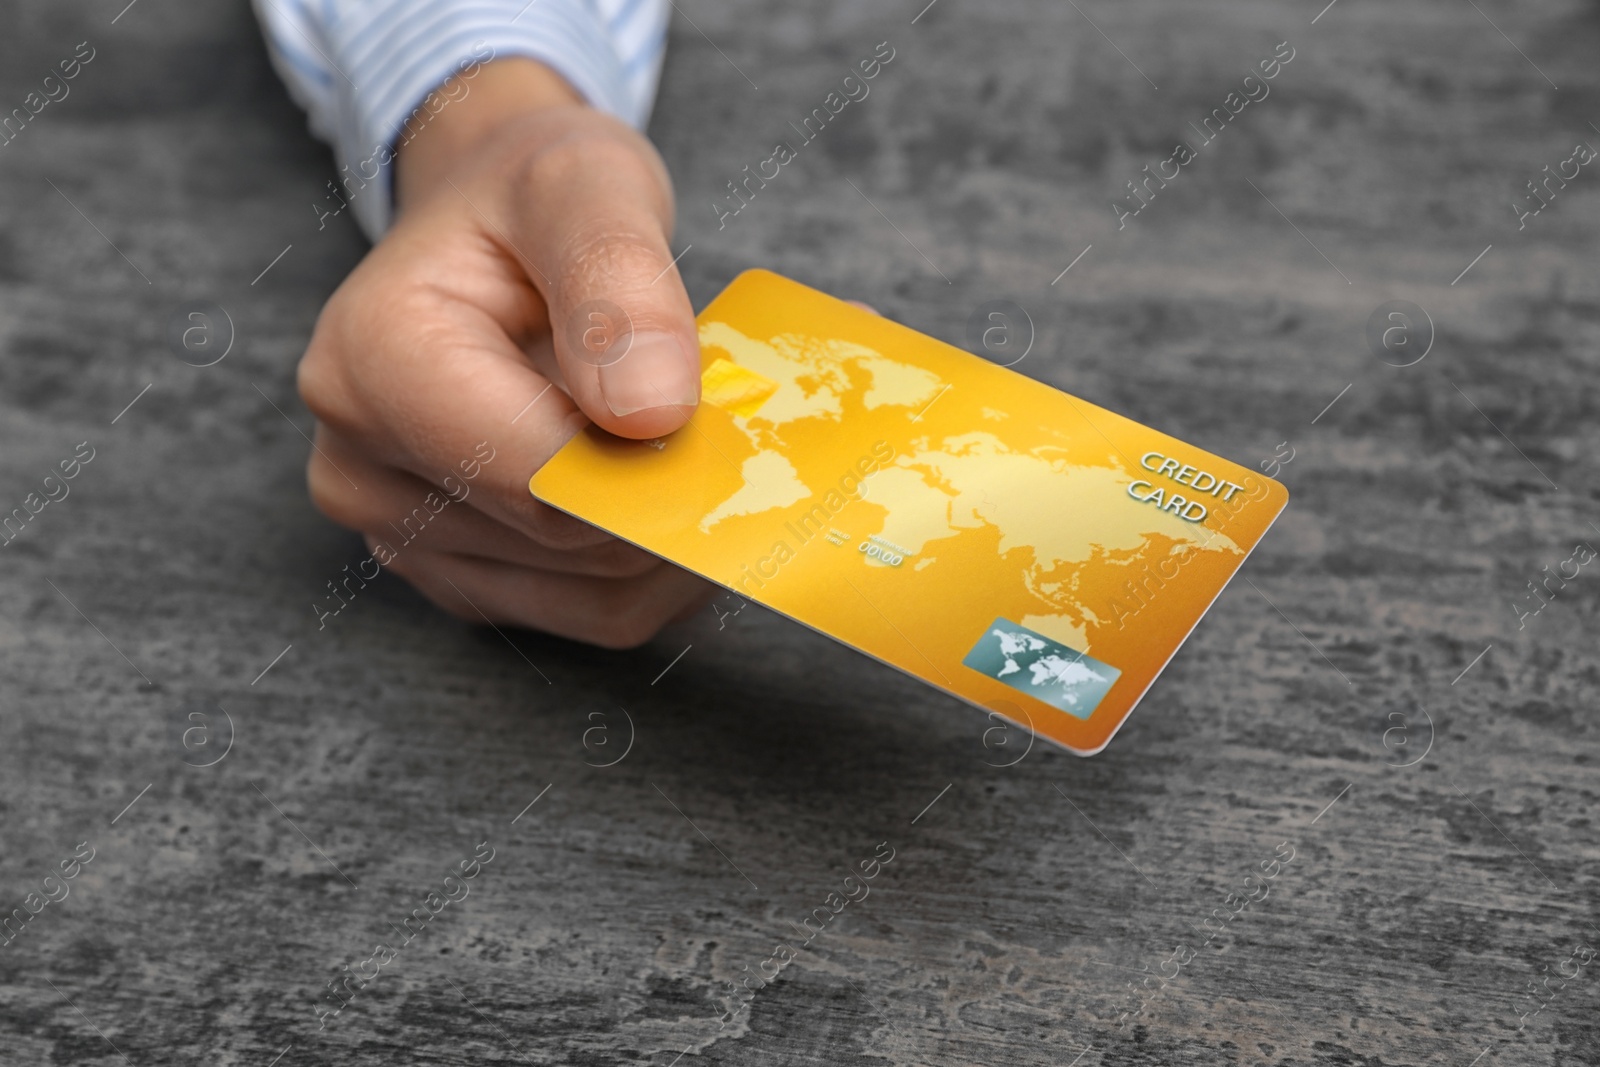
[(432, 383)]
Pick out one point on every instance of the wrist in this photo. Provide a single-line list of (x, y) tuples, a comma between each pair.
[(503, 91)]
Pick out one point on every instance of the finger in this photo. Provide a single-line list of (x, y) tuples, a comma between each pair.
[(397, 508), (593, 211), (610, 612), (428, 380)]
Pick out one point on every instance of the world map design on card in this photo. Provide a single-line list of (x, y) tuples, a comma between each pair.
[(1023, 550)]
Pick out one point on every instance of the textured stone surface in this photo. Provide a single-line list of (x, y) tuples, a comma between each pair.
[(1018, 908)]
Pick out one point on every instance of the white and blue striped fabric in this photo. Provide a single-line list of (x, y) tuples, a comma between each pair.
[(361, 67)]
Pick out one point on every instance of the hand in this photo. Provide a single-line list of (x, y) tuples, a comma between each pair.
[(518, 204)]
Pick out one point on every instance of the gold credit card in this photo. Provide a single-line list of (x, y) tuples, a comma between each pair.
[(1026, 551)]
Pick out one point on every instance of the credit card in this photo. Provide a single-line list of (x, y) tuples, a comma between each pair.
[(1028, 552)]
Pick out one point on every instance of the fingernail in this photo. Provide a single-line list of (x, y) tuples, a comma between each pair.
[(655, 373)]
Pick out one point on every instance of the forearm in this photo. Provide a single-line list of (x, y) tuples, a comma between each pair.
[(364, 69), (502, 92)]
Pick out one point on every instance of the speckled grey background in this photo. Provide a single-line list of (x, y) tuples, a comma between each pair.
[(1419, 908)]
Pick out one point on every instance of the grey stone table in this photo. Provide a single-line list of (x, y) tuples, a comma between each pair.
[(1378, 703)]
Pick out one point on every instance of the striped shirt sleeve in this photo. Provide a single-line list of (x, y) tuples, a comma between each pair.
[(361, 69)]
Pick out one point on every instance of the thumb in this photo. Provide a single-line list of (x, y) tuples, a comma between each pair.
[(592, 220)]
